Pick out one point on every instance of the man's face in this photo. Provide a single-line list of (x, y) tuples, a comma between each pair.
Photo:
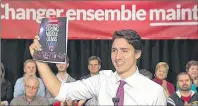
[(31, 88), (161, 73), (123, 55), (62, 67), (94, 66), (30, 68), (184, 83), (193, 71)]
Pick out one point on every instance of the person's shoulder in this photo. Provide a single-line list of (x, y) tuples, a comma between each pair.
[(193, 86), (175, 95), (170, 83), (85, 77), (71, 79), (196, 94), (17, 99), (172, 98), (148, 83), (41, 98), (40, 80), (19, 80)]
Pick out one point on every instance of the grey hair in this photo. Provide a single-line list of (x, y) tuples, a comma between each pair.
[(146, 73), (27, 77)]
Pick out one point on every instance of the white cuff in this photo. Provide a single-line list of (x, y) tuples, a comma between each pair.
[(62, 93)]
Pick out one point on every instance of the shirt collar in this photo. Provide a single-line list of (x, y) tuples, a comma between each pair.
[(66, 77), (179, 94), (33, 99), (132, 80)]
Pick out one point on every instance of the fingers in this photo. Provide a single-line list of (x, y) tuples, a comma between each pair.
[(37, 37), (35, 46)]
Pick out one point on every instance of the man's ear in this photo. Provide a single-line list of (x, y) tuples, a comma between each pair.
[(138, 54), (67, 65), (99, 66)]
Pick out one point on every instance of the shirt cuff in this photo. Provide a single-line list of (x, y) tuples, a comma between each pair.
[(62, 93)]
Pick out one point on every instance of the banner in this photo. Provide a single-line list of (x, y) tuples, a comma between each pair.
[(99, 19)]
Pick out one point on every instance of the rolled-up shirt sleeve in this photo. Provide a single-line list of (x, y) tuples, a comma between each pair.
[(161, 98), (81, 89)]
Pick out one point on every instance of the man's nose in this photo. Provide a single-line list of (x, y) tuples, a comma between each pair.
[(32, 69), (118, 55)]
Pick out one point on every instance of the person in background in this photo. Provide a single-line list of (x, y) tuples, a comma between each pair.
[(30, 98), (161, 72), (6, 87), (192, 70), (94, 65), (146, 73), (29, 68), (184, 96)]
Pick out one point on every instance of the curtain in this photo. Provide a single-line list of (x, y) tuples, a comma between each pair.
[(175, 52)]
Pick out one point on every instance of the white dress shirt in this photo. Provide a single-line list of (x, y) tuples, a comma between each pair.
[(138, 89)]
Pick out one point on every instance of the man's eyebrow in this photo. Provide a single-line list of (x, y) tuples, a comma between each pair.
[(121, 48), (124, 48)]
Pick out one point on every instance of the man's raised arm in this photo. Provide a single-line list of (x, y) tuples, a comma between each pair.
[(47, 76)]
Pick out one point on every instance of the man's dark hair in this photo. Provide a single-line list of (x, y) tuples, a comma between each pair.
[(94, 58), (183, 73), (131, 36), (146, 73)]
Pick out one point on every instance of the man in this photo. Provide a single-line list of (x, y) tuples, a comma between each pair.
[(94, 65), (125, 86), (29, 68), (192, 70), (146, 73), (184, 96), (30, 98), (63, 76)]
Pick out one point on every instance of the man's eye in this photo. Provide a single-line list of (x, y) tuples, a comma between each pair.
[(113, 50), (124, 51)]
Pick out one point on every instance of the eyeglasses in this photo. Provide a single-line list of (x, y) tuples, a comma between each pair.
[(31, 87)]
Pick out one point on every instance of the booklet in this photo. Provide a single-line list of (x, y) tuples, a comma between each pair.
[(53, 40)]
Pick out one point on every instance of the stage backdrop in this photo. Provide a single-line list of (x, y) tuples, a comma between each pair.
[(175, 52), (99, 19)]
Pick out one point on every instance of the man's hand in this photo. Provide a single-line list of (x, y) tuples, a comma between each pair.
[(81, 102), (35, 46)]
